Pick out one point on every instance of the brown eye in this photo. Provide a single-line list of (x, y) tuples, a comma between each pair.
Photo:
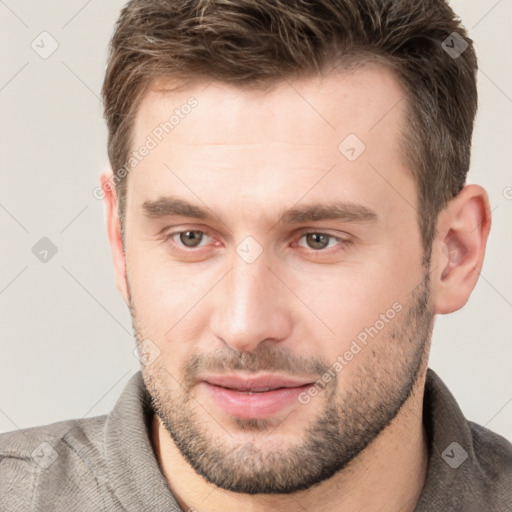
[(191, 238), (318, 241)]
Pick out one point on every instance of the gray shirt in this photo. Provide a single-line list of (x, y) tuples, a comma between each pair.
[(107, 463)]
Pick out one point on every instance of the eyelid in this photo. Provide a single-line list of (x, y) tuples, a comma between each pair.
[(320, 231), (339, 246)]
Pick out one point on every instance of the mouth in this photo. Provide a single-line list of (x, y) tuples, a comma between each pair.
[(254, 397)]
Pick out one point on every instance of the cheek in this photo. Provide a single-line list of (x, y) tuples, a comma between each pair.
[(347, 298), (170, 306), (353, 302), (155, 281)]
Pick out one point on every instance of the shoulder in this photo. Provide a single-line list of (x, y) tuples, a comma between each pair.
[(23, 443), (493, 458), (493, 452), (48, 454)]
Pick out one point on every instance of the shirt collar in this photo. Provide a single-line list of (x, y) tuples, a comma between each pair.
[(453, 479), (133, 469)]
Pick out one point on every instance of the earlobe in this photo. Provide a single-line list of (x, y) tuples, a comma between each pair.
[(113, 228), (458, 253)]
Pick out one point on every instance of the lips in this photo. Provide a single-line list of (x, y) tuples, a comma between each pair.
[(253, 397), (256, 384)]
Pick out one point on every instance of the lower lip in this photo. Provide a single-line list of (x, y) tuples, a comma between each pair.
[(256, 405)]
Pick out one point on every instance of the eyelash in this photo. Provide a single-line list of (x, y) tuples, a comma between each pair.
[(344, 243)]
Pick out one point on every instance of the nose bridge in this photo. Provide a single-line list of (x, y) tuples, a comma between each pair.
[(249, 278), (247, 309)]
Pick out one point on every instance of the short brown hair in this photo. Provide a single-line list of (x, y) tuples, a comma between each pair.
[(257, 43)]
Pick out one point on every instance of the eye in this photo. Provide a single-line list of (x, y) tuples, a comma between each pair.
[(316, 241), (190, 238), (319, 241)]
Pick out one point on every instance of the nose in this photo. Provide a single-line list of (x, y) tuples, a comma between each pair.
[(250, 306)]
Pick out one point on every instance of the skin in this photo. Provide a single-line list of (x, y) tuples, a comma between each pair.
[(247, 156)]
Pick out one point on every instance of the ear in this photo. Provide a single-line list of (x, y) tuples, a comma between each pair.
[(458, 250), (113, 226)]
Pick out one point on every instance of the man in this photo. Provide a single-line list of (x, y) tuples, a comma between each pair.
[(287, 213)]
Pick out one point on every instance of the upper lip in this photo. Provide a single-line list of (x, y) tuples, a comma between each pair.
[(254, 383)]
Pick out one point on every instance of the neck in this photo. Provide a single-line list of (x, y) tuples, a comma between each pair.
[(394, 466)]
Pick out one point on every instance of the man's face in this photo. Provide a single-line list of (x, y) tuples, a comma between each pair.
[(246, 307)]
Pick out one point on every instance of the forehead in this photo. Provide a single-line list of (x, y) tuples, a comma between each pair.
[(253, 144), (355, 99)]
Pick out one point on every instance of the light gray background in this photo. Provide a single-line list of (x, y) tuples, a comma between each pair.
[(66, 345)]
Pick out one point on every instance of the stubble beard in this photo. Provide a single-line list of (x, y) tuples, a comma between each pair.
[(351, 418)]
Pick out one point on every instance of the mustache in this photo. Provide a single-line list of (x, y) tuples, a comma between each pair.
[(264, 358)]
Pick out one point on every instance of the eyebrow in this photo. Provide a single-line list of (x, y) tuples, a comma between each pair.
[(337, 210)]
